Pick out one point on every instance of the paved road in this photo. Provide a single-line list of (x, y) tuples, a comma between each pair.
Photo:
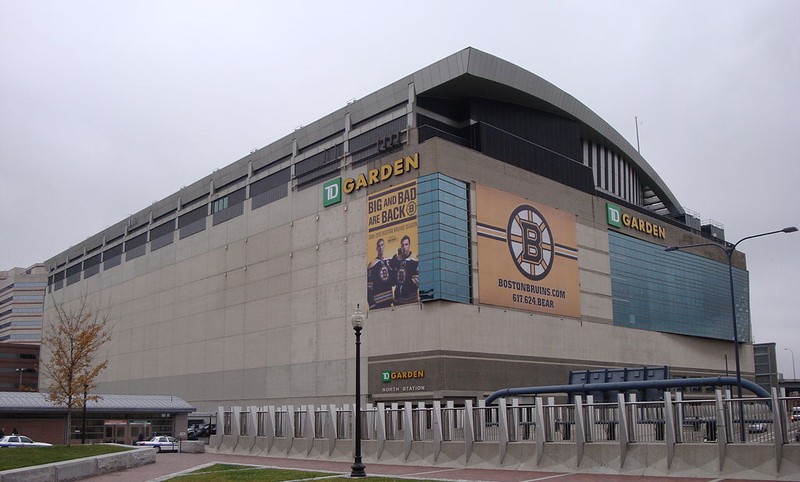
[(169, 464)]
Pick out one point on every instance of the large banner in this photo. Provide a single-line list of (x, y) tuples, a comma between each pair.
[(527, 255), (392, 264)]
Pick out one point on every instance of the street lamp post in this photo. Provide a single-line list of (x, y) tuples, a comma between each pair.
[(794, 373), (729, 250), (358, 467)]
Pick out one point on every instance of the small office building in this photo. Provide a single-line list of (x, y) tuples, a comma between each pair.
[(113, 418)]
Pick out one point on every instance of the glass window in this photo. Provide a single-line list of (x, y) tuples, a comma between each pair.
[(675, 292), (443, 228)]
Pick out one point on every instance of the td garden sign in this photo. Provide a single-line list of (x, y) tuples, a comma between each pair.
[(618, 219), (332, 190), (416, 376)]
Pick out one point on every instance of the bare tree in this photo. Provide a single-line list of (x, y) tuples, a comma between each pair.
[(73, 341)]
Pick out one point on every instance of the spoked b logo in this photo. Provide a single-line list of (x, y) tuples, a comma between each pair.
[(530, 242)]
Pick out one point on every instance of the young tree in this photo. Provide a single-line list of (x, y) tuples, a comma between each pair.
[(73, 341)]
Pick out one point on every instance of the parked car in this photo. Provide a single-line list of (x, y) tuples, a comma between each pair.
[(160, 442), (21, 441), (796, 414), (757, 427), (208, 430)]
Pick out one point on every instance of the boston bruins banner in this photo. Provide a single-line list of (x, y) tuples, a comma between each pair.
[(527, 255), (392, 246)]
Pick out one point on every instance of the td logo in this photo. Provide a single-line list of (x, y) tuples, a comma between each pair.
[(386, 375), (613, 216), (332, 192)]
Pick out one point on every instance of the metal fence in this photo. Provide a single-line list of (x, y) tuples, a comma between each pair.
[(750, 420)]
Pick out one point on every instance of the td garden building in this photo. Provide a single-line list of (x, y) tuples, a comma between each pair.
[(496, 232)]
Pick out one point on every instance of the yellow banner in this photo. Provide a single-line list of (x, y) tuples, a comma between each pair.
[(527, 254), (392, 264)]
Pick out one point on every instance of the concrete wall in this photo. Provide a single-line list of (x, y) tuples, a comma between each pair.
[(256, 310), (81, 468)]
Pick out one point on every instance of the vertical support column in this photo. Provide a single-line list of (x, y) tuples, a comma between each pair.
[(412, 97), (679, 412), (216, 439), (368, 428), (722, 437), (309, 428), (580, 431), (669, 428), (270, 426), (348, 126), (332, 432), (451, 419), (502, 428), (480, 428), (538, 418), (289, 433), (777, 429), (236, 426), (592, 422), (634, 417), (394, 419), (729, 409), (252, 421), (380, 428), (437, 429), (622, 430), (408, 426), (551, 420), (422, 425), (469, 429), (514, 422), (235, 418)]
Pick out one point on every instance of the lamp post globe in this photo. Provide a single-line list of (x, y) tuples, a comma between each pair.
[(357, 469)]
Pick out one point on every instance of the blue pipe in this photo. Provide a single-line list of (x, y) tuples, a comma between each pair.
[(634, 385)]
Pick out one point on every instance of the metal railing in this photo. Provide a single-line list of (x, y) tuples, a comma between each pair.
[(766, 421)]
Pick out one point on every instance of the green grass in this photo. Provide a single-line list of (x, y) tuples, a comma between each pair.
[(225, 472), (228, 472), (14, 458)]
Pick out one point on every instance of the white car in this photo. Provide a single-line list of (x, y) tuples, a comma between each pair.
[(160, 442), (21, 441)]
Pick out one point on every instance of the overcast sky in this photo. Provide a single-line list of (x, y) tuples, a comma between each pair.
[(108, 106)]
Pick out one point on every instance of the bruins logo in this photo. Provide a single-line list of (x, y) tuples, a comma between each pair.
[(530, 242)]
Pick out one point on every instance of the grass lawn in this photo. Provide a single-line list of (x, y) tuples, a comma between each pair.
[(230, 472), (14, 458)]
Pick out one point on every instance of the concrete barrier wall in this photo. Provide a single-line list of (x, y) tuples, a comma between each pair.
[(690, 460), (81, 468)]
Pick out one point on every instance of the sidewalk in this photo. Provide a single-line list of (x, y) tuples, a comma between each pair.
[(168, 464)]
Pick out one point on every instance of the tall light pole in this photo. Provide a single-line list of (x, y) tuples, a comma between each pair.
[(358, 467), (729, 250), (794, 373)]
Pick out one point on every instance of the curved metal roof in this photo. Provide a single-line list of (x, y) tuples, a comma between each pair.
[(489, 76)]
